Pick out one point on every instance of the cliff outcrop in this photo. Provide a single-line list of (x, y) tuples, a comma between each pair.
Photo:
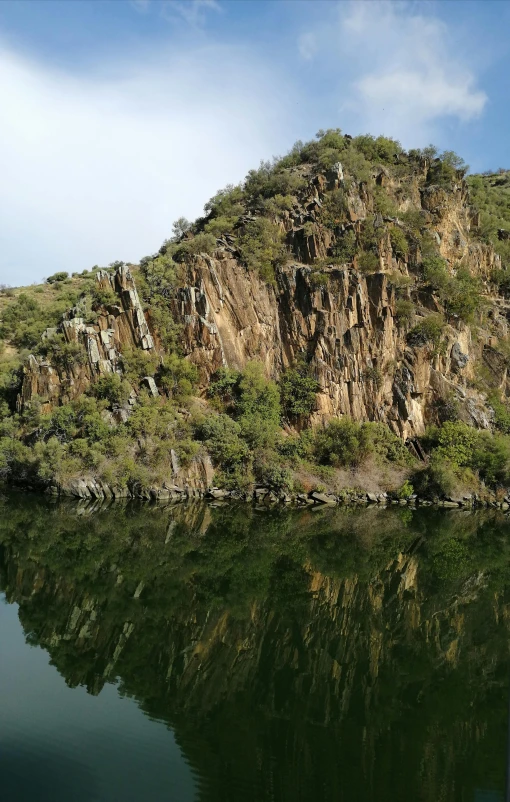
[(121, 323), (345, 324), (361, 263)]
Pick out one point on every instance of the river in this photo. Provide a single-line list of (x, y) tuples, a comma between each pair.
[(230, 654)]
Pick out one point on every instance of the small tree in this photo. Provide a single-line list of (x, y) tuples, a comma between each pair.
[(180, 227)]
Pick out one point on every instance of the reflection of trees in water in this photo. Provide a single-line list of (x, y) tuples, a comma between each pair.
[(298, 655)]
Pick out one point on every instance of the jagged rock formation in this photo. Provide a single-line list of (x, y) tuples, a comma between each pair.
[(118, 324), (346, 324), (347, 327)]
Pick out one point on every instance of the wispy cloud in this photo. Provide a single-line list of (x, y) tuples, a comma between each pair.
[(142, 6), (96, 169), (194, 12), (400, 69), (414, 73), (307, 45)]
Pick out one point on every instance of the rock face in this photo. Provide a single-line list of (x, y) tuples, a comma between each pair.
[(346, 328), (121, 323), (345, 325)]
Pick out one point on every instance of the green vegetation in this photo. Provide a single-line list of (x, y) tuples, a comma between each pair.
[(261, 246), (491, 197), (459, 293), (298, 391), (362, 217), (458, 452), (428, 331), (345, 443)]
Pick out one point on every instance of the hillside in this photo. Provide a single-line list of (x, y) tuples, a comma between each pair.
[(339, 320)]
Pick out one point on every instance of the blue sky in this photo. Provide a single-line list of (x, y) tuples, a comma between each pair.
[(118, 116)]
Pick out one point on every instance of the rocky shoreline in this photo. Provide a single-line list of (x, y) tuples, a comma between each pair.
[(92, 490)]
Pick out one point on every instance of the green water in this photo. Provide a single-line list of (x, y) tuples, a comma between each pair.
[(228, 654)]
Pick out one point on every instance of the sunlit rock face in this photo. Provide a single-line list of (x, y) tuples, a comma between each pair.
[(346, 325), (347, 328), (119, 324), (333, 643)]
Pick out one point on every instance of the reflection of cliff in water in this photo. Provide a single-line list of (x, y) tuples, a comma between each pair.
[(298, 655)]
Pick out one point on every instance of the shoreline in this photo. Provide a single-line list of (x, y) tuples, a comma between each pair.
[(260, 496)]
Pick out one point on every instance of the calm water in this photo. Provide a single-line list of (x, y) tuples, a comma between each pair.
[(234, 655)]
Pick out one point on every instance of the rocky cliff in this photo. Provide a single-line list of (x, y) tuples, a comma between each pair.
[(347, 328), (366, 266), (341, 319), (118, 324)]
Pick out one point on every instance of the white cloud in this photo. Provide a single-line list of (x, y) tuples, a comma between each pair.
[(194, 12), (399, 69), (307, 45), (411, 72), (97, 169), (142, 6)]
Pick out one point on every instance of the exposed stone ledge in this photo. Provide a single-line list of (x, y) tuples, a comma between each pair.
[(94, 491), (120, 324)]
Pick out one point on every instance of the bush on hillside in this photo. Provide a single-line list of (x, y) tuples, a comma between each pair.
[(262, 248), (60, 276)]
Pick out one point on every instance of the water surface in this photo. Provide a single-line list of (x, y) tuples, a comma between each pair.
[(223, 654)]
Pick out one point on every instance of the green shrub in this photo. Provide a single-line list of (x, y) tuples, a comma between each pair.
[(404, 311), (219, 226), (446, 169), (377, 149), (334, 209), (463, 295), (438, 479), (298, 391), (501, 278), (273, 207), (343, 443), (501, 414), (270, 180), (200, 243), (270, 473), (24, 321), (156, 286), (356, 164), (261, 244), (318, 280), (224, 388), (344, 248), (435, 273), (368, 262), (228, 202), (64, 355), (111, 388), (399, 243), (373, 374), (383, 203), (180, 227), (60, 276), (455, 442), (405, 490), (491, 458), (103, 296), (137, 364), (258, 395), (428, 330), (222, 438), (178, 376), (387, 445)]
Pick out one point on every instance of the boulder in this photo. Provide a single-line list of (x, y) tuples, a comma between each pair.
[(323, 498)]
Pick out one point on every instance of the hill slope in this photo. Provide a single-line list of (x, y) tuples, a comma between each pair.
[(322, 314)]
